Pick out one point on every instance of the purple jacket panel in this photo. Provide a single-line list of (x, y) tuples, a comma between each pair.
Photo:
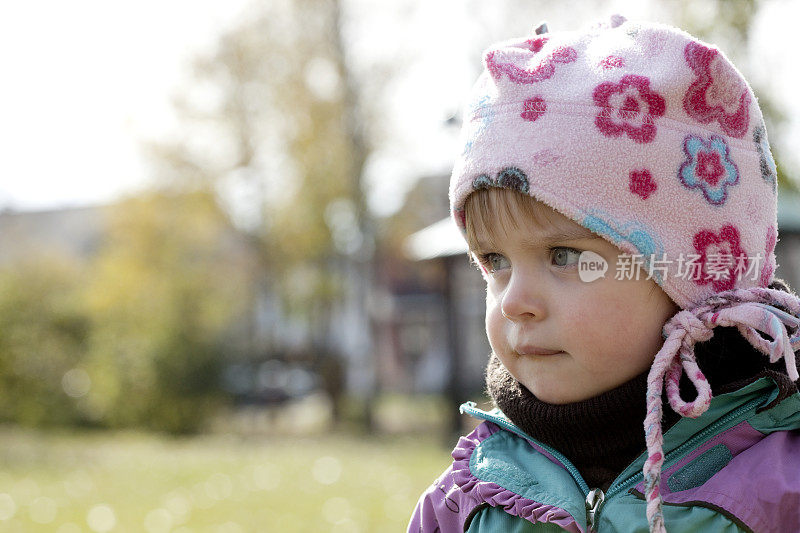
[(442, 508), (447, 504), (759, 485)]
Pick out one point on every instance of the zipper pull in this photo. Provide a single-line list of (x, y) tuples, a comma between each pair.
[(594, 500)]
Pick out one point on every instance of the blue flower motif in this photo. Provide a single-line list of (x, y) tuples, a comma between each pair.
[(638, 234), (769, 170), (708, 167), (480, 115)]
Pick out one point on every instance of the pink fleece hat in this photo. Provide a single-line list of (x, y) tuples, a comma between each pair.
[(653, 140), (642, 134)]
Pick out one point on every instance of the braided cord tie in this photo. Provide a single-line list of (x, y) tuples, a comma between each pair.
[(749, 310)]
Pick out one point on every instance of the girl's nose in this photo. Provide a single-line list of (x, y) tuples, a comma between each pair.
[(523, 298)]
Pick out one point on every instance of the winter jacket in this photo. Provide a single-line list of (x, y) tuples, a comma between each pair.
[(735, 468)]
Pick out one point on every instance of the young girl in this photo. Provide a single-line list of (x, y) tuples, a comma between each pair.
[(617, 191)]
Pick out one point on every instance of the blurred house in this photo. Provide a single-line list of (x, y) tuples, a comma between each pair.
[(422, 343), (267, 352), (74, 232)]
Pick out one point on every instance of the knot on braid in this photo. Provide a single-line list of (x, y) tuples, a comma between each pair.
[(752, 311), (694, 330)]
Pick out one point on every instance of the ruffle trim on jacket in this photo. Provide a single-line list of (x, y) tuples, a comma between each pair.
[(497, 496)]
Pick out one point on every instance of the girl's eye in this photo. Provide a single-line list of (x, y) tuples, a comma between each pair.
[(493, 262), (562, 256)]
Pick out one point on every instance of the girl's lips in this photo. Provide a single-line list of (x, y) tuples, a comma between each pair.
[(528, 349)]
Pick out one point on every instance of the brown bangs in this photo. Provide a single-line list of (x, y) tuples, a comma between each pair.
[(493, 211)]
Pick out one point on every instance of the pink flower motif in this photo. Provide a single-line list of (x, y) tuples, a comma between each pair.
[(545, 69), (721, 258), (642, 183), (718, 93), (769, 266), (630, 107), (612, 62), (533, 108), (709, 167)]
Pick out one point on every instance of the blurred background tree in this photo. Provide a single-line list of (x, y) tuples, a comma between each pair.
[(169, 281), (277, 138), (134, 335), (260, 193), (276, 134), (43, 333)]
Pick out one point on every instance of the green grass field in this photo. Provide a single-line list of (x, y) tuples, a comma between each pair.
[(132, 482)]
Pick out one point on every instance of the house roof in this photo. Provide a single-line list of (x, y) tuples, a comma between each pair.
[(440, 239)]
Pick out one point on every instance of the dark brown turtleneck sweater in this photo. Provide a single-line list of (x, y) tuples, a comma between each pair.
[(602, 435)]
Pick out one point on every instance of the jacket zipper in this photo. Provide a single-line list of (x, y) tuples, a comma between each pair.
[(703, 435), (593, 502)]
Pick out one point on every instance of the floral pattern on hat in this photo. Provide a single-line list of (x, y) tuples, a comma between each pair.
[(722, 260), (719, 92), (769, 170), (629, 107), (641, 183), (533, 108), (542, 71), (708, 167), (612, 62), (536, 45)]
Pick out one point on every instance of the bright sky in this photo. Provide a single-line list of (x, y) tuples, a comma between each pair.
[(86, 79), (83, 80)]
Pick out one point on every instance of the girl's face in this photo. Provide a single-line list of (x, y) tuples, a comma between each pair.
[(564, 339)]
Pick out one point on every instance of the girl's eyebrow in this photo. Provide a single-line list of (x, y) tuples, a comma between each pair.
[(578, 233), (556, 236)]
